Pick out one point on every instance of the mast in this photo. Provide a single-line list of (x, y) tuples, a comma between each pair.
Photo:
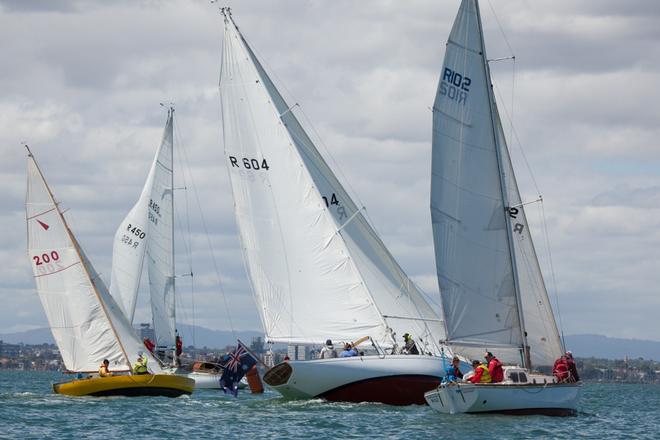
[(526, 358), (82, 260), (171, 117)]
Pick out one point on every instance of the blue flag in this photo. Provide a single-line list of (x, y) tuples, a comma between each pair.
[(240, 362)]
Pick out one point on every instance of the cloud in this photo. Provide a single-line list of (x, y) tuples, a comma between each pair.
[(82, 83)]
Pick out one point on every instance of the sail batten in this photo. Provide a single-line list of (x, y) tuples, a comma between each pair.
[(486, 265)]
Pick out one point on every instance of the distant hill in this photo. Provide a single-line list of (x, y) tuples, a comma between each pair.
[(203, 337), (612, 348), (581, 345)]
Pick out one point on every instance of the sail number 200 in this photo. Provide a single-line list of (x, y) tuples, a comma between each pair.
[(248, 163)]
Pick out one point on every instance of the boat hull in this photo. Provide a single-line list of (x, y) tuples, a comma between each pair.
[(205, 381), (169, 385), (548, 399), (393, 380)]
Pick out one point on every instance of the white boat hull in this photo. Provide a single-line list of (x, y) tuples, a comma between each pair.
[(550, 399), (205, 380), (394, 380)]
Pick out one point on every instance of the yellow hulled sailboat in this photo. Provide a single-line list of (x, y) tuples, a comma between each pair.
[(87, 324)]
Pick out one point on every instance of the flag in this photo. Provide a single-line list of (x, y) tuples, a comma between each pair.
[(239, 363)]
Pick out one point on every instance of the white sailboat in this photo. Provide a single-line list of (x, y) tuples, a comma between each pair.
[(493, 294), (148, 232), (317, 268), (87, 324)]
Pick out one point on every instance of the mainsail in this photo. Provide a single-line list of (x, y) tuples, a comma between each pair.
[(148, 230), (87, 324), (492, 289), (317, 267)]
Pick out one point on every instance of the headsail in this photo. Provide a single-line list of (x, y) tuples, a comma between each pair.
[(148, 229), (474, 202), (87, 324), (317, 267)]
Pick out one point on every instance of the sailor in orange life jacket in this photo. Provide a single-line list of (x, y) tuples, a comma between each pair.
[(494, 367), (481, 374)]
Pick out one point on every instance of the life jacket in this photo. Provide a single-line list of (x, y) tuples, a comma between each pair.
[(485, 375), (498, 371), (140, 367), (561, 370)]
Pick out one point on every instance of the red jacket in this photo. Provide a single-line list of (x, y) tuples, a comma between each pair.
[(561, 369), (495, 369), (149, 345)]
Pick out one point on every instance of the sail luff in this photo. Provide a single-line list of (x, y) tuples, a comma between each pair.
[(516, 282)]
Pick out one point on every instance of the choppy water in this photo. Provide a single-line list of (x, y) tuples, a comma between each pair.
[(28, 410)]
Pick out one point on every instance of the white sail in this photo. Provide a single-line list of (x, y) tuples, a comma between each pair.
[(160, 243), (480, 250), (87, 324), (542, 334), (148, 229), (317, 267)]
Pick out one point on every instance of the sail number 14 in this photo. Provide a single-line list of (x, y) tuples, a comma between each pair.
[(248, 163)]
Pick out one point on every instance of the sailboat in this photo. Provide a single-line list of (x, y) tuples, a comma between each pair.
[(147, 232), (493, 294), (87, 324), (318, 269)]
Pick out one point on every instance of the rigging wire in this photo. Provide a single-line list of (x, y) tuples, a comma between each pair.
[(186, 237), (184, 154), (543, 217), (405, 282), (514, 135)]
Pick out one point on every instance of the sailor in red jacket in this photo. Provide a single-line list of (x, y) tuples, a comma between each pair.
[(494, 368)]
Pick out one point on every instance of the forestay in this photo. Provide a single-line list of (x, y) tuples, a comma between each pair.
[(148, 229), (473, 204), (317, 267), (87, 324)]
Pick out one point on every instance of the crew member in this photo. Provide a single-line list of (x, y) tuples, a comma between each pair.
[(349, 351), (409, 345), (103, 369), (494, 368), (140, 366), (179, 345), (453, 372), (561, 369), (328, 351), (149, 345), (481, 374), (572, 368)]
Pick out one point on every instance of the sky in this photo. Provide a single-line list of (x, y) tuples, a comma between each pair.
[(82, 82)]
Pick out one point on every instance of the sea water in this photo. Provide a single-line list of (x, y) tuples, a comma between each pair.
[(30, 410)]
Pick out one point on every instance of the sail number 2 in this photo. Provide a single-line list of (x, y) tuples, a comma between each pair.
[(248, 163), (46, 258)]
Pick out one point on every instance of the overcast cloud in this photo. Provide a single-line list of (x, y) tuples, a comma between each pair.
[(81, 82)]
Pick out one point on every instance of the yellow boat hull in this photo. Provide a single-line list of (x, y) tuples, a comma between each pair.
[(168, 385)]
